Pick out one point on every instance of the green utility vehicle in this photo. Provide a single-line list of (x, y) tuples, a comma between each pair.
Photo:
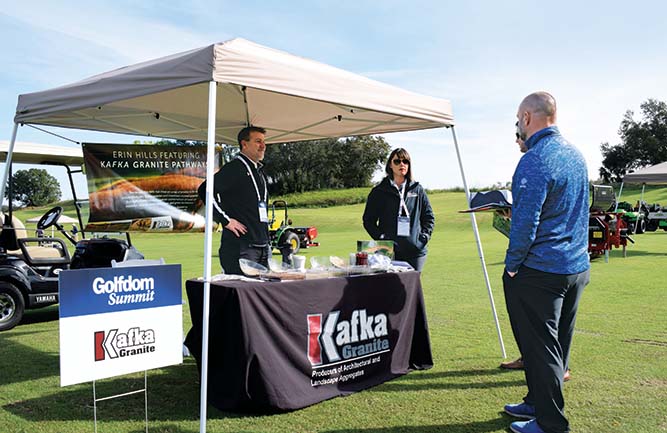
[(635, 217), (286, 238), (643, 217)]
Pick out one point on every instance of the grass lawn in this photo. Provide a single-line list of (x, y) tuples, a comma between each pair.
[(619, 355)]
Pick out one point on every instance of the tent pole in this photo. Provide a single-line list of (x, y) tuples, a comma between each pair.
[(620, 191), (473, 221), (208, 240), (8, 163)]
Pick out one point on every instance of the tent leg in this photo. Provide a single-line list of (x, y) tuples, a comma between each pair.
[(473, 221), (8, 163), (208, 240), (620, 191)]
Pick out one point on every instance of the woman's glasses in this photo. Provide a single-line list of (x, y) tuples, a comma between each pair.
[(398, 161)]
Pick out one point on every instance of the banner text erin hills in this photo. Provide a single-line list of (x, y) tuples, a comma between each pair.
[(125, 290)]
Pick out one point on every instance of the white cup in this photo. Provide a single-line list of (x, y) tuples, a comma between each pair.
[(353, 259), (299, 262)]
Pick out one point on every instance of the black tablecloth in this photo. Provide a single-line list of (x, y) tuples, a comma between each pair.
[(287, 345)]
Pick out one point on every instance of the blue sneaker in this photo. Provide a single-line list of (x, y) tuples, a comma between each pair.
[(521, 410), (526, 427)]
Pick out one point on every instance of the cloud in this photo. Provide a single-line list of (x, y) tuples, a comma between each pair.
[(116, 32)]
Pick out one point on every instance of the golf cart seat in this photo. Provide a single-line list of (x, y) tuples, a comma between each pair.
[(15, 241)]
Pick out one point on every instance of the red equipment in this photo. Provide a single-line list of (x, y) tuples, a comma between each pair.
[(606, 230)]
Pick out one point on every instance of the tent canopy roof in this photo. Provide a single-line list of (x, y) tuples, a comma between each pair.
[(655, 174), (292, 97)]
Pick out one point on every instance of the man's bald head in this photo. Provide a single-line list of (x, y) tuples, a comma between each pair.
[(540, 103), (537, 111)]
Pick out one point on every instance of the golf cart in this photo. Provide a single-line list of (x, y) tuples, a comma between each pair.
[(29, 266), (286, 238)]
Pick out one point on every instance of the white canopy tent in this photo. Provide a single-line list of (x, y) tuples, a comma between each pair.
[(62, 219), (653, 175), (210, 93)]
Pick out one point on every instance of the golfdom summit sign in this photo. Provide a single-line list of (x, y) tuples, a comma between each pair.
[(116, 321)]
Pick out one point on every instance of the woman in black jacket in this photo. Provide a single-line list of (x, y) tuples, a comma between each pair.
[(398, 209)]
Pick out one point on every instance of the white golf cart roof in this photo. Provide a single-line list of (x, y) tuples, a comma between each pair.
[(35, 153)]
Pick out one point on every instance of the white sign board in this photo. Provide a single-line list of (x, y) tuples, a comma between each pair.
[(115, 321)]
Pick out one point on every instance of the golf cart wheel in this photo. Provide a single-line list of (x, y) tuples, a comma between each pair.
[(11, 306), (641, 226), (652, 225), (292, 239)]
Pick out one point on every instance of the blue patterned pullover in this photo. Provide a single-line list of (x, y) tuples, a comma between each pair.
[(549, 229)]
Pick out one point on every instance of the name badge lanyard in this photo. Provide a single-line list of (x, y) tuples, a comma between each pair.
[(403, 222), (261, 204)]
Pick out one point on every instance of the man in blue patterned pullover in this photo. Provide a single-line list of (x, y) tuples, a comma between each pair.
[(546, 265)]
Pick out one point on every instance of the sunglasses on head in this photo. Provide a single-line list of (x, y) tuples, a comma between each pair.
[(398, 161)]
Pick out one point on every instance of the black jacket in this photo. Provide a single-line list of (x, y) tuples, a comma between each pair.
[(381, 213), (234, 196)]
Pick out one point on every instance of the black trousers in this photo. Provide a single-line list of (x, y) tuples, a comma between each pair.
[(232, 249), (416, 262), (543, 309)]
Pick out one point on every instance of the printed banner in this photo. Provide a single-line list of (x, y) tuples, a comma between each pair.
[(116, 321), (144, 187)]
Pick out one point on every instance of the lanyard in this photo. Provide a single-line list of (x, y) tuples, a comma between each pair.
[(401, 194), (254, 182)]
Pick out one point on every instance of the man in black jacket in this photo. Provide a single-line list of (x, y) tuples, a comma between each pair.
[(240, 198)]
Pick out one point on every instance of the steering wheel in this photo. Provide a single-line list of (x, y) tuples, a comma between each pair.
[(49, 218)]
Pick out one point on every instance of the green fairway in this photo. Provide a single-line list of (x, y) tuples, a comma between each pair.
[(619, 354)]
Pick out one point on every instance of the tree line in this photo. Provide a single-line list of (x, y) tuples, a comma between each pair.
[(643, 142), (331, 163), (324, 164)]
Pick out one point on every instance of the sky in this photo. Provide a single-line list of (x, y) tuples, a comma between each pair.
[(598, 58)]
